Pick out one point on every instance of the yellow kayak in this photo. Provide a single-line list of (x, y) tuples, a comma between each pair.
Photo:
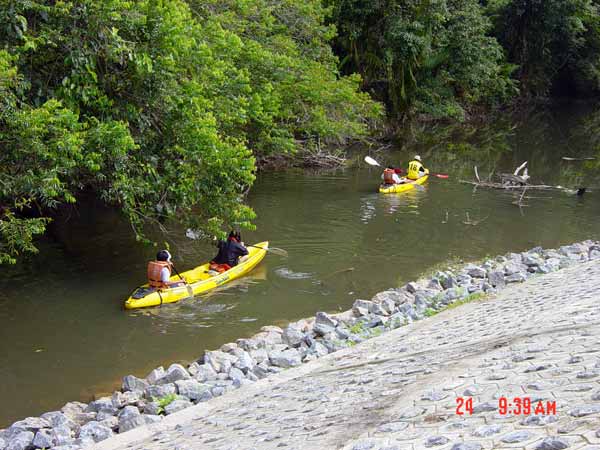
[(393, 188), (198, 281)]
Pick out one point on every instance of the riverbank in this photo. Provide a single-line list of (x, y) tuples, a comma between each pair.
[(165, 392)]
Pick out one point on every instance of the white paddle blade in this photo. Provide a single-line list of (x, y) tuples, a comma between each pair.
[(371, 161)]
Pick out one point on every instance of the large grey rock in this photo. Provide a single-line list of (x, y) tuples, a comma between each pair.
[(159, 391), (219, 361), (477, 272), (292, 336), (496, 278), (29, 424), (362, 307), (152, 408), (122, 399), (111, 422), (205, 372), (259, 355), (155, 375), (177, 405), (191, 389), (266, 339), (379, 310), (21, 441), (57, 418), (532, 260), (133, 383), (236, 375), (244, 362), (516, 278), (130, 418), (103, 404), (174, 373), (324, 323), (44, 438), (408, 311), (229, 347), (95, 431), (63, 435), (285, 359)]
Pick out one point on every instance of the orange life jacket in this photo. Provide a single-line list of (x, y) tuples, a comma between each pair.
[(388, 176), (154, 270)]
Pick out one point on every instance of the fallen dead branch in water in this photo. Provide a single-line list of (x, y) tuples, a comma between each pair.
[(514, 181)]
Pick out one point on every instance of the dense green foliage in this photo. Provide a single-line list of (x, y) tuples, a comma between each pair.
[(555, 43), (426, 57), (159, 109)]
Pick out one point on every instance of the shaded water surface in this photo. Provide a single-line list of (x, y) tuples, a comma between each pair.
[(65, 336)]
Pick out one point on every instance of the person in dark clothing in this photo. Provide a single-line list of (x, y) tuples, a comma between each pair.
[(230, 251)]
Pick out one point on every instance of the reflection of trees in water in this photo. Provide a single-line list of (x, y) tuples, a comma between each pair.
[(541, 137)]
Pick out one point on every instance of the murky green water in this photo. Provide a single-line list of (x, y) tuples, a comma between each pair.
[(65, 336)]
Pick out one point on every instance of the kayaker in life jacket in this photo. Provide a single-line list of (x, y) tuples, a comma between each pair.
[(230, 253), (159, 271), (415, 169), (389, 176)]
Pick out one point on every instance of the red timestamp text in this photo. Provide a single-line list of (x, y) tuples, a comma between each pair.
[(513, 406), (524, 406)]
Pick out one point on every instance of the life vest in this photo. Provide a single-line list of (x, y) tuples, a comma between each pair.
[(413, 170), (219, 267), (388, 176), (154, 270)]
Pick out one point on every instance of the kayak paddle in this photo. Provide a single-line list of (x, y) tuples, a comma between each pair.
[(274, 250), (189, 288), (370, 161)]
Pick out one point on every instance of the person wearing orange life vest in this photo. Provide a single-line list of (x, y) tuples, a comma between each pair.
[(159, 271), (389, 176), (416, 169)]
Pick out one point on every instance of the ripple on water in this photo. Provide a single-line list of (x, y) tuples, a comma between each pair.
[(284, 272)]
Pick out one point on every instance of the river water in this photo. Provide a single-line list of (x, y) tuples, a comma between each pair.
[(65, 336)]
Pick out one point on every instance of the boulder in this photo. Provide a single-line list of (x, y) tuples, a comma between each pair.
[(159, 391), (496, 278), (95, 431), (133, 383), (155, 375), (174, 373), (205, 372), (324, 323), (292, 336), (191, 389), (121, 399), (103, 404), (361, 307), (219, 361), (130, 418), (20, 441), (29, 424), (244, 361), (236, 374), (285, 359)]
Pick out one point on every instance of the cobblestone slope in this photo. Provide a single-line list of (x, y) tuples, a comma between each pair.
[(536, 341)]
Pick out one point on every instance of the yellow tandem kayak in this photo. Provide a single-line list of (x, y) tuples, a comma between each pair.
[(393, 188), (198, 281)]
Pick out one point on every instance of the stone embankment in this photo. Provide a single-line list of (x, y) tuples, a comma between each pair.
[(395, 391)]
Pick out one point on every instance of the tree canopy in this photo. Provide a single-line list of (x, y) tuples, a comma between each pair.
[(160, 107)]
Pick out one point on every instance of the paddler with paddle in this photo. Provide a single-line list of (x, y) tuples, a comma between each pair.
[(231, 252), (159, 271)]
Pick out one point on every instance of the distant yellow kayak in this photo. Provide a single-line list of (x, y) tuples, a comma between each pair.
[(401, 187), (198, 281)]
